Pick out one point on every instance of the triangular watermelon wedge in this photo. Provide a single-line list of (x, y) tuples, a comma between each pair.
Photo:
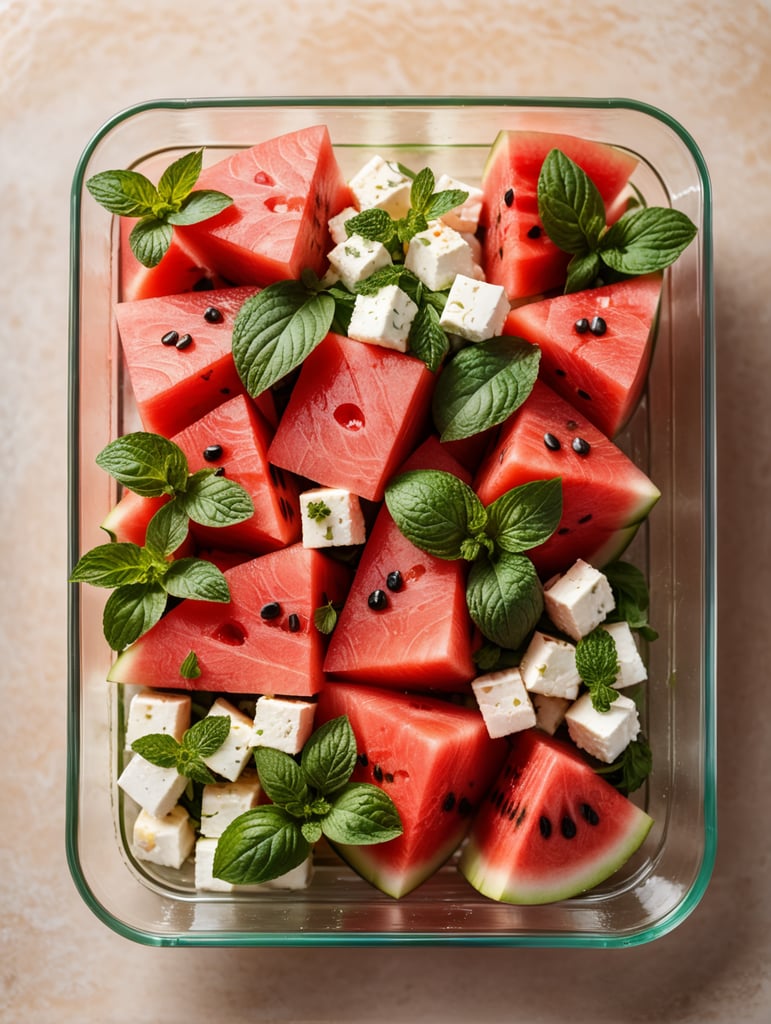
[(603, 375)]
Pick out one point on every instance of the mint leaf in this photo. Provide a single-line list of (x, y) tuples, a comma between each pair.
[(200, 205), (362, 814), (213, 500), (167, 529), (442, 202), (190, 669), (391, 273), (197, 579), (130, 611), (259, 845), (582, 272), (112, 565), (427, 338), (630, 591), (421, 190), (148, 464), (124, 193), (375, 225), (158, 748), (329, 756), (325, 618), (569, 205), (177, 181), (149, 240), (206, 736), (317, 510), (597, 665), (482, 385), (281, 777), (435, 510), (276, 329), (646, 240), (504, 598), (525, 516), (631, 769)]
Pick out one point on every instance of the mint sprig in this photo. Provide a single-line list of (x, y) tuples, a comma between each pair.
[(172, 202), (597, 665), (632, 767), (573, 215), (309, 799), (188, 757), (630, 591)]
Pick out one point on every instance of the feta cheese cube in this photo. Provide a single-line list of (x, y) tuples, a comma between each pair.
[(631, 667), (437, 255), (466, 216), (475, 310), (166, 840), (384, 318), (380, 183), (549, 711), (153, 712), (579, 600), (336, 224), (298, 878), (230, 759), (223, 802), (331, 517), (155, 789), (282, 723), (504, 702), (603, 734), (548, 666), (356, 258)]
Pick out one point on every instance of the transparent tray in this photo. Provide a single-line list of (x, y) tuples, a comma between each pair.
[(672, 436)]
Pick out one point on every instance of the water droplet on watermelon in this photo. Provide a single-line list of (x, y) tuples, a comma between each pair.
[(231, 633), (349, 416), (263, 178)]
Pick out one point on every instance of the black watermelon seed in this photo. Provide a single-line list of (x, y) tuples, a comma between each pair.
[(585, 519), (377, 600), (571, 424), (552, 442), (203, 284), (584, 394), (389, 777), (563, 530), (535, 231), (394, 580), (464, 807), (377, 771), (224, 391), (449, 802), (598, 325), (589, 814), (212, 452), (363, 760), (271, 610), (580, 446), (560, 373), (170, 338), (544, 826), (508, 196), (581, 326), (294, 623), (500, 253), (568, 827), (212, 315), (184, 342)]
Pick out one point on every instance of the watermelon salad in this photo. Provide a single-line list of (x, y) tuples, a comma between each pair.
[(376, 481)]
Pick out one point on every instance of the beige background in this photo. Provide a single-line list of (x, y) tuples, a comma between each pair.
[(65, 67)]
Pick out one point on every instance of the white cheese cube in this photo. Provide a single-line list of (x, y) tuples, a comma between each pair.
[(282, 723), (603, 734), (342, 524), (549, 711), (298, 878), (153, 712), (475, 310), (548, 666), (155, 789), (380, 183), (631, 667), (578, 601), (356, 258), (384, 318), (437, 255), (466, 216), (337, 229), (230, 759), (166, 840), (223, 802), (504, 702)]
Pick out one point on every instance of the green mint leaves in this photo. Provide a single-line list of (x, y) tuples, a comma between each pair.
[(200, 741), (309, 799), (173, 201), (632, 768), (573, 215), (597, 665), (630, 592), (142, 578), (443, 516)]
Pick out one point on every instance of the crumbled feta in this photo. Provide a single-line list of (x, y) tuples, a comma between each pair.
[(222, 802), (153, 712), (475, 310), (631, 667), (356, 258), (298, 878), (603, 734), (384, 318), (579, 600), (155, 789), (166, 840), (504, 702), (380, 183), (548, 666), (549, 711), (337, 229), (437, 255), (230, 759), (466, 216), (342, 525), (283, 723)]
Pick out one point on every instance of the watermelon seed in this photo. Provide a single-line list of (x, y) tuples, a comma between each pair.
[(377, 600), (377, 771), (552, 442), (294, 623), (563, 530), (589, 814), (184, 342), (568, 827), (170, 338), (203, 284), (389, 777), (363, 760), (535, 231), (394, 580), (212, 315), (581, 326), (571, 424), (271, 610), (212, 452), (544, 826), (598, 326), (580, 446), (560, 373), (449, 802), (584, 394), (585, 519), (508, 196)]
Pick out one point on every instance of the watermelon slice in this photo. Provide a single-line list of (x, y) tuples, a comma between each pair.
[(238, 650), (422, 640), (605, 496), (551, 828), (601, 374), (516, 252), (180, 270), (284, 191), (434, 759)]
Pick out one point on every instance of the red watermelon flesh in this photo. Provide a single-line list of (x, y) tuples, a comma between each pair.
[(602, 375), (284, 191), (180, 270), (433, 758), (355, 413), (605, 496), (238, 651), (174, 387), (550, 828), (423, 639), (516, 252)]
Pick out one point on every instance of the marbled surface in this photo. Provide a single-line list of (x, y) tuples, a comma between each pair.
[(67, 67)]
